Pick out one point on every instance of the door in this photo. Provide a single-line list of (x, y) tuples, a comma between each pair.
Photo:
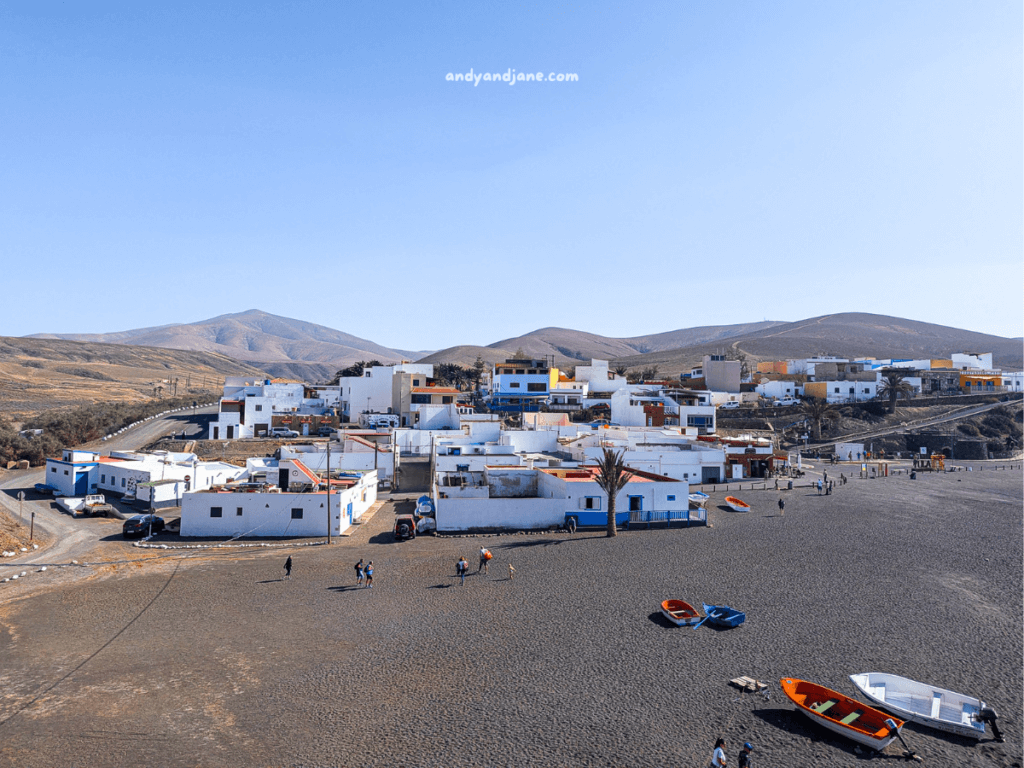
[(230, 432), (81, 484), (216, 433), (349, 510)]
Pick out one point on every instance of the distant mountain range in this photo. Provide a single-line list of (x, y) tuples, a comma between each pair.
[(298, 349), (279, 345)]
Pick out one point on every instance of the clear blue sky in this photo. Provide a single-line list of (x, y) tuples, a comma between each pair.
[(715, 163)]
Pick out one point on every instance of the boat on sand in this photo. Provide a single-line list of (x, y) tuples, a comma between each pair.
[(679, 612), (848, 717), (925, 704), (736, 505)]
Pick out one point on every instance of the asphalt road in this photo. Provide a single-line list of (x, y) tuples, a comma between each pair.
[(67, 538)]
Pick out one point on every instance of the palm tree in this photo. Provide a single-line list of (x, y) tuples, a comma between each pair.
[(620, 370), (893, 385), (817, 409), (612, 479)]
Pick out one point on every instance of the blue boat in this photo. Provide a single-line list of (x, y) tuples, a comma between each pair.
[(723, 615)]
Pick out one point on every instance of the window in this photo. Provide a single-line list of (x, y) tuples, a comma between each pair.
[(520, 371), (53, 469), (539, 387), (415, 382), (420, 400), (837, 390), (591, 502), (123, 482), (65, 471), (103, 478), (636, 503), (296, 513), (671, 497), (259, 407), (446, 399), (216, 512), (867, 391), (238, 511), (513, 384)]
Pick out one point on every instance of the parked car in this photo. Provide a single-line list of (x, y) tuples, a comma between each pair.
[(730, 405), (140, 525), (43, 488), (405, 527), (325, 431), (283, 432), (787, 402)]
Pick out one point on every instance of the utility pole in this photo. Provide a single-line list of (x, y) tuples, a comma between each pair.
[(328, 491), (21, 498)]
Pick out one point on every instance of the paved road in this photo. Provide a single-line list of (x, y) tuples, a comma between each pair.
[(77, 539)]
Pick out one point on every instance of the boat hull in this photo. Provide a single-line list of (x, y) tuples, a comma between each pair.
[(680, 613), (724, 616), (841, 714), (922, 703), (736, 505)]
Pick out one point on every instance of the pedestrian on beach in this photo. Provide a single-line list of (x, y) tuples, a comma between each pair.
[(819, 486), (368, 570), (776, 483), (782, 507), (460, 569), (359, 572), (744, 761), (288, 567), (718, 756), (511, 572), (485, 557)]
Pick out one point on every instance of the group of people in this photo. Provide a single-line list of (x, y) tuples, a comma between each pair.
[(364, 573), (462, 567), (718, 759)]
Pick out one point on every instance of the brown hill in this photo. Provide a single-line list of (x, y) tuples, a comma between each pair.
[(566, 344), (254, 336), (849, 334), (39, 374)]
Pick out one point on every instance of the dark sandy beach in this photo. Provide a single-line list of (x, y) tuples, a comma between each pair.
[(224, 664)]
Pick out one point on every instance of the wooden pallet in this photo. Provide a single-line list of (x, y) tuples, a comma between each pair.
[(749, 684)]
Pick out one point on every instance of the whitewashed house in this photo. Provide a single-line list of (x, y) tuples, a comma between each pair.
[(254, 509), (521, 498)]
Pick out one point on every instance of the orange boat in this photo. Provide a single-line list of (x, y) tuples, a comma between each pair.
[(679, 612), (736, 505), (841, 714)]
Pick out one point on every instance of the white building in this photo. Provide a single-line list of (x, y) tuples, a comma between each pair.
[(373, 391), (1013, 382), (352, 453), (970, 361), (520, 498), (253, 510), (854, 391), (248, 406), (661, 452), (779, 390)]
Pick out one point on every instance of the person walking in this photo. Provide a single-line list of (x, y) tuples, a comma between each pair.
[(782, 507), (485, 557), (288, 567), (718, 756), (511, 572), (368, 570), (359, 572), (744, 761), (460, 569), (776, 483), (819, 486)]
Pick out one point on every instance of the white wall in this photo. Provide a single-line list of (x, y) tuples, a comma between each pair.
[(504, 514), (779, 390), (269, 514)]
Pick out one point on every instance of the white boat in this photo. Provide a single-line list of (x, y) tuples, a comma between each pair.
[(923, 703), (699, 498)]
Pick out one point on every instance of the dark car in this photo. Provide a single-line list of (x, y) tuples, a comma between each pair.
[(405, 527), (139, 525)]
